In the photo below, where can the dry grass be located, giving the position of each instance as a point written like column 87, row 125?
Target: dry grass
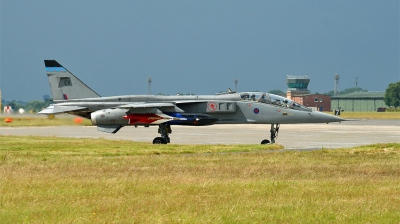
column 370, row 115
column 40, row 120
column 55, row 180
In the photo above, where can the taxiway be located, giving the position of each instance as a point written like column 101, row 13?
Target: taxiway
column 291, row 136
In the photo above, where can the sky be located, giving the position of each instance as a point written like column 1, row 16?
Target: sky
column 198, row 47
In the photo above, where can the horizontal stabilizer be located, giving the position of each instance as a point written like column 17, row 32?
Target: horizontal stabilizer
column 60, row 109
column 109, row 128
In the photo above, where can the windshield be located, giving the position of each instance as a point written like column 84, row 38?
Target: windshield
column 272, row 99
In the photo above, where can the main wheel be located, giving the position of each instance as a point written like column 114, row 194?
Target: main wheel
column 159, row 140
column 265, row 141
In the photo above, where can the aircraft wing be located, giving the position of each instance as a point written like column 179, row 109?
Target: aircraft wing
column 54, row 109
column 192, row 101
column 148, row 107
column 201, row 101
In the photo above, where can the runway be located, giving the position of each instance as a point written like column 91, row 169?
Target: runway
column 291, row 136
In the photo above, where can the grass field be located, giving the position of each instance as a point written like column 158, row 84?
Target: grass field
column 62, row 180
column 41, row 120
column 370, row 115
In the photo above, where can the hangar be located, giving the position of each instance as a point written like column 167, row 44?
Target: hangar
column 358, row 101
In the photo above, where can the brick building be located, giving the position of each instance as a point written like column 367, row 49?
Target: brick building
column 318, row 102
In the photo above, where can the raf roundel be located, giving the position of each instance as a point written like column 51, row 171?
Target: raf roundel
column 256, row 110
column 212, row 106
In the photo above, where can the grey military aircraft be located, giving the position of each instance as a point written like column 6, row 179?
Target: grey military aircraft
column 110, row 114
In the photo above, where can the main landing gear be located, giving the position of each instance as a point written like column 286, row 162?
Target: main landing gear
column 274, row 134
column 164, row 130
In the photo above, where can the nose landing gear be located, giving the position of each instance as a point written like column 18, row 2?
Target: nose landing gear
column 274, row 134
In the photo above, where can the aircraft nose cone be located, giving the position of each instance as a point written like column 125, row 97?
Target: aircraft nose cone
column 323, row 117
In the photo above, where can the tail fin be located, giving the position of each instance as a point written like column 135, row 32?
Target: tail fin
column 64, row 85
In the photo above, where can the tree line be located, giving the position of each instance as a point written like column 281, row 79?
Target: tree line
column 31, row 106
column 330, row 93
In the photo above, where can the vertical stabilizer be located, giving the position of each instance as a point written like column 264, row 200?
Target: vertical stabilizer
column 64, row 85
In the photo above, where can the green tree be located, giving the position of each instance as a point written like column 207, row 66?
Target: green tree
column 330, row 93
column 392, row 95
column 277, row 92
column 187, row 94
column 346, row 91
column 48, row 101
column 352, row 90
column 15, row 105
column 37, row 105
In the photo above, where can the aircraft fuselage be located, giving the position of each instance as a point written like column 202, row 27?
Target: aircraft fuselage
column 227, row 108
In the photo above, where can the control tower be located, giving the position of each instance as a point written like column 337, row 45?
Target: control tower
column 297, row 85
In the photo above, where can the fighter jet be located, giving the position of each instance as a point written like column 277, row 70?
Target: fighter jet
column 110, row 114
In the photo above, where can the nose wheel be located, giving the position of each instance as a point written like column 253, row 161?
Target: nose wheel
column 274, row 134
column 164, row 130
column 159, row 140
column 265, row 141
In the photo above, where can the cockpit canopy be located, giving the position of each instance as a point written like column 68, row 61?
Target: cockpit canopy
column 272, row 99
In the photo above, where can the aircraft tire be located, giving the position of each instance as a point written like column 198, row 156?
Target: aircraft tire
column 265, row 141
column 159, row 140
